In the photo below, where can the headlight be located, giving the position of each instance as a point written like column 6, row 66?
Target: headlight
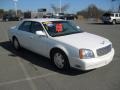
column 86, row 54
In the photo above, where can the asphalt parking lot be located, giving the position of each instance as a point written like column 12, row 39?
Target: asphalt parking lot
column 25, row 70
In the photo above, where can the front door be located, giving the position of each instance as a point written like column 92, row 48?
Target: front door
column 38, row 44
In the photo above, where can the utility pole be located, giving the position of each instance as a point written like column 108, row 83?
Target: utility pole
column 60, row 6
column 15, row 6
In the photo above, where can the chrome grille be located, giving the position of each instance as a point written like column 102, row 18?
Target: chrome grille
column 104, row 50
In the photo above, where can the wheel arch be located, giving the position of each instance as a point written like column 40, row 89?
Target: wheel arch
column 14, row 37
column 67, row 65
column 114, row 19
column 60, row 49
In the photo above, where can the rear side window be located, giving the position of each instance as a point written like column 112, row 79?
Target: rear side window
column 112, row 15
column 116, row 15
column 25, row 26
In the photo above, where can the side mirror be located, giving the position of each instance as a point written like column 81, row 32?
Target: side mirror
column 78, row 27
column 41, row 33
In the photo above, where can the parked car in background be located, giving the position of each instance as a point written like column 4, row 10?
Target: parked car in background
column 70, row 16
column 64, row 43
column 111, row 18
column 60, row 16
column 8, row 17
column 48, row 15
column 65, row 16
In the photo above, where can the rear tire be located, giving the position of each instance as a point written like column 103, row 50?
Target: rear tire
column 16, row 44
column 114, row 22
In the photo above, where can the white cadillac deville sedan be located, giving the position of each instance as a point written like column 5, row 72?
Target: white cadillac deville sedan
column 63, row 43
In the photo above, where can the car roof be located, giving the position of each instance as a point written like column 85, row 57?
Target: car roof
column 112, row 13
column 43, row 19
column 115, row 12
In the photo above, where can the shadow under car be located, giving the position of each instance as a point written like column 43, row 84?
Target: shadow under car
column 38, row 60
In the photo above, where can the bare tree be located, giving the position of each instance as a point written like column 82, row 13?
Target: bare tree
column 11, row 12
column 64, row 7
column 57, row 9
column 1, row 13
column 19, row 13
column 91, row 12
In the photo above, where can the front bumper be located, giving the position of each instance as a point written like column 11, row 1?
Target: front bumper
column 88, row 64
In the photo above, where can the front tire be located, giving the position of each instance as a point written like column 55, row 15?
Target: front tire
column 60, row 60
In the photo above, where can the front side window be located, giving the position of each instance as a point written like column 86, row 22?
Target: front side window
column 25, row 26
column 36, row 26
column 60, row 28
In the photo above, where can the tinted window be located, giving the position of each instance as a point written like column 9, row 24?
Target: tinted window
column 116, row 15
column 25, row 26
column 108, row 15
column 112, row 15
column 36, row 26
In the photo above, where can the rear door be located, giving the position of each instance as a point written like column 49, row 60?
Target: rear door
column 24, row 34
column 117, row 17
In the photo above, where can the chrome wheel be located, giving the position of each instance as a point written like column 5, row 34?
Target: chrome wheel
column 59, row 60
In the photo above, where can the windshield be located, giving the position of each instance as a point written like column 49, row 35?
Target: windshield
column 61, row 28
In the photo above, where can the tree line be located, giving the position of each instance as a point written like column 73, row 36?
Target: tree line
column 91, row 11
column 10, row 12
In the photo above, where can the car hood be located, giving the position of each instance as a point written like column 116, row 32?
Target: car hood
column 84, row 40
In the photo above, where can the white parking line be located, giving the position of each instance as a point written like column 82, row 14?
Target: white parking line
column 27, row 79
column 32, row 85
